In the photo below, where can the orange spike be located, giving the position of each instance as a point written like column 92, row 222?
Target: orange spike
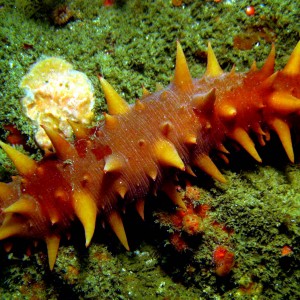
column 283, row 131
column 11, row 229
column 190, row 139
column 293, row 65
column 205, row 102
column 189, row 171
column 24, row 206
column 227, row 112
column 24, row 164
column 86, row 210
column 115, row 103
column 54, row 215
column 257, row 129
column 79, row 130
column 110, row 121
column 52, row 242
column 268, row 82
column 261, row 140
column 145, row 92
column 284, row 103
column 6, row 191
column 113, row 163
column 152, row 173
column 253, row 67
column 182, row 76
column 170, row 190
column 213, row 68
column 166, row 153
column 242, row 137
column 268, row 67
column 117, row 226
column 63, row 148
column 222, row 148
column 232, row 71
column 206, row 164
column 140, row 205
column 121, row 188
column 224, row 157
column 139, row 105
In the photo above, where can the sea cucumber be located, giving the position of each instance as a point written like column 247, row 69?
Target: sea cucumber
column 138, row 148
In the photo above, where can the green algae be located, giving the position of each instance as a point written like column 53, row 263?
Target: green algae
column 133, row 44
column 262, row 207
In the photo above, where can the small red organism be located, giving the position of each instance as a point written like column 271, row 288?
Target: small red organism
column 177, row 2
column 286, row 250
column 189, row 220
column 223, row 259
column 15, row 136
column 27, row 46
column 108, row 2
column 202, row 210
column 192, row 219
column 192, row 193
column 192, row 224
column 178, row 242
column 250, row 10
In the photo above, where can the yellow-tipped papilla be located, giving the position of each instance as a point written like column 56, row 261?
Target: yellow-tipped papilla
column 293, row 65
column 113, row 163
column 170, row 189
column 167, row 155
column 86, row 210
column 11, row 226
column 24, row 164
column 283, row 131
column 116, row 223
column 283, row 102
column 63, row 148
column 182, row 76
column 6, row 191
column 140, row 205
column 213, row 68
column 52, row 242
column 206, row 164
column 268, row 67
column 25, row 206
column 79, row 130
column 115, row 103
column 241, row 136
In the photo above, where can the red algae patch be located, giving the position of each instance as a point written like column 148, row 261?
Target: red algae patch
column 223, row 259
column 55, row 93
column 286, row 250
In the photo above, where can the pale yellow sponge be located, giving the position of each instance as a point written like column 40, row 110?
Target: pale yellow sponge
column 55, row 93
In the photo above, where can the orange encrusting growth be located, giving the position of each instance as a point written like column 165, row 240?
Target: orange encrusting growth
column 137, row 148
column 223, row 260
